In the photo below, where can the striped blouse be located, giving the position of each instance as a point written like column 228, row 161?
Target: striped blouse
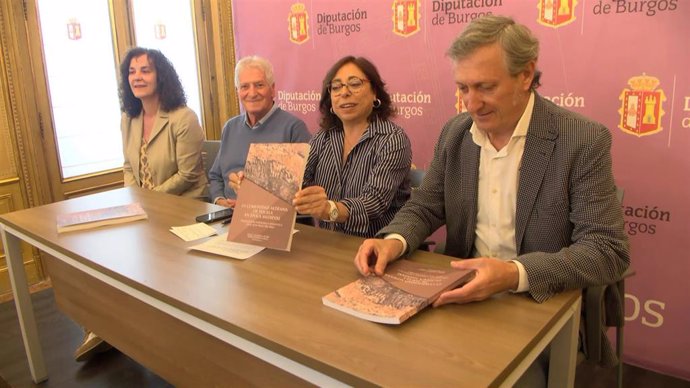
column 373, row 183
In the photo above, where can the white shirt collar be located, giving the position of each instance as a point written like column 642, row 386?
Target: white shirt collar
column 263, row 119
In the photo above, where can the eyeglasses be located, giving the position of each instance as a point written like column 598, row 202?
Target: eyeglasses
column 354, row 85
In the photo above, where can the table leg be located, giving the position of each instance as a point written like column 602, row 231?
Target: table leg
column 563, row 358
column 25, row 310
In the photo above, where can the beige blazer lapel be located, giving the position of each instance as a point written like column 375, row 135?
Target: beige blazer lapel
column 160, row 123
column 136, row 133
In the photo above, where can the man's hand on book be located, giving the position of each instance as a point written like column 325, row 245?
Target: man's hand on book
column 491, row 277
column 374, row 255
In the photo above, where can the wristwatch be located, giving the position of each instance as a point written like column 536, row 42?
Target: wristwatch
column 333, row 212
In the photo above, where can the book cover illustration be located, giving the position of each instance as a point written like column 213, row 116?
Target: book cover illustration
column 405, row 289
column 264, row 215
column 88, row 219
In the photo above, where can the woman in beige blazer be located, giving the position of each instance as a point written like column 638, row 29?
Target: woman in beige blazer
column 161, row 136
column 161, row 140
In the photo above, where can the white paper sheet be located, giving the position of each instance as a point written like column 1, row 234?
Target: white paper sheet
column 193, row 232
column 220, row 246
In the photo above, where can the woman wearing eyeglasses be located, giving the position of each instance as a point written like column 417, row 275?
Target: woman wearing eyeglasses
column 356, row 177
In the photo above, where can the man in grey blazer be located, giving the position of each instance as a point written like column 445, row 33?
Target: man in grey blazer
column 524, row 187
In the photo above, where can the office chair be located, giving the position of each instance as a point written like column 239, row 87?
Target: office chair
column 209, row 150
column 598, row 313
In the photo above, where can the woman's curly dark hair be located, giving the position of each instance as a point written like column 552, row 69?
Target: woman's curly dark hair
column 169, row 87
column 382, row 112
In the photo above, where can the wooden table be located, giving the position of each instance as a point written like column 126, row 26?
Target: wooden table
column 199, row 320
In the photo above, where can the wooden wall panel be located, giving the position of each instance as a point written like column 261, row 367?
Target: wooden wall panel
column 14, row 190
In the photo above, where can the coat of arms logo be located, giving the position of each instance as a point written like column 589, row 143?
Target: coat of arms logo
column 298, row 23
column 641, row 108
column 406, row 17
column 556, row 13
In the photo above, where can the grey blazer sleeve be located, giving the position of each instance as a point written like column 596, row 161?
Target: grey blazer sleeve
column 574, row 236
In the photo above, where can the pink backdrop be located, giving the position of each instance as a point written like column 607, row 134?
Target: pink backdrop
column 592, row 53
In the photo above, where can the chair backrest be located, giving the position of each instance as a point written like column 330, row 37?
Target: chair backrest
column 209, row 151
column 604, row 306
